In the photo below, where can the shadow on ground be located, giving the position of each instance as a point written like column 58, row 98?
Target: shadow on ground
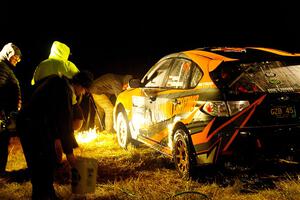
column 252, row 176
column 18, row 176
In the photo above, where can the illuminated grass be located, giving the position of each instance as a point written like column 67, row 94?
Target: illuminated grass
column 142, row 173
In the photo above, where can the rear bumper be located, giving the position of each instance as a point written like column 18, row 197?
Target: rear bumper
column 292, row 126
column 273, row 141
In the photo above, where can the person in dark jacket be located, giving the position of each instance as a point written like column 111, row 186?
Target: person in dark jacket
column 44, row 120
column 10, row 96
column 104, row 90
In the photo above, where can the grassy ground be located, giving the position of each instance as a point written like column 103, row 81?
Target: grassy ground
column 141, row 173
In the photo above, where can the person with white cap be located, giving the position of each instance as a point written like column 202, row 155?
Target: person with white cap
column 10, row 96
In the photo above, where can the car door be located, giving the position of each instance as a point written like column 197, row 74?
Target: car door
column 165, row 96
column 142, row 110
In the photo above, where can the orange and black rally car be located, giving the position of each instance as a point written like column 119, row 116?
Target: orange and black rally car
column 201, row 105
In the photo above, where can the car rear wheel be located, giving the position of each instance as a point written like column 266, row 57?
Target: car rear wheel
column 123, row 132
column 182, row 154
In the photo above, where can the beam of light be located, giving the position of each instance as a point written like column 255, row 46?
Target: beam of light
column 86, row 136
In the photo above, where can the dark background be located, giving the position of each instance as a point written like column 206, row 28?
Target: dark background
column 130, row 38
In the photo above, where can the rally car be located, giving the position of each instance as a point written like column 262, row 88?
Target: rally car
column 203, row 105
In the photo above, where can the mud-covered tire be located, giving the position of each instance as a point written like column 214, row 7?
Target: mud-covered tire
column 182, row 154
column 123, row 132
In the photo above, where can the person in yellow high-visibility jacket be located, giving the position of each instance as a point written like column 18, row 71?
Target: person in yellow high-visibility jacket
column 57, row 63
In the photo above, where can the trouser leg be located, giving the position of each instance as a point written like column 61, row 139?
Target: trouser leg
column 42, row 179
column 108, row 108
column 4, row 143
column 104, row 102
column 42, row 184
column 99, row 119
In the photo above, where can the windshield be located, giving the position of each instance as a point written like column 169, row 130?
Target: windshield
column 267, row 76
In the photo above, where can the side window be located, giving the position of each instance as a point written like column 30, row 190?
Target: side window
column 196, row 76
column 179, row 74
column 156, row 77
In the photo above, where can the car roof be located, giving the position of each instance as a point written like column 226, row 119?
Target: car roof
column 229, row 54
column 233, row 53
column 242, row 53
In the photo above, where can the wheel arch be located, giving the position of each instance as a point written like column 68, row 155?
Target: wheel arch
column 182, row 126
column 118, row 108
column 184, row 132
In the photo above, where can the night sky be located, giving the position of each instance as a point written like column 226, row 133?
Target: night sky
column 129, row 39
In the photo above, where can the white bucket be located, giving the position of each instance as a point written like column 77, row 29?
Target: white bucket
column 84, row 181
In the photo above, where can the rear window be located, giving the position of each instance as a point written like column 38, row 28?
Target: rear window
column 268, row 76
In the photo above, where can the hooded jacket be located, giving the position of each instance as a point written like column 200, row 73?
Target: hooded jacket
column 10, row 93
column 57, row 63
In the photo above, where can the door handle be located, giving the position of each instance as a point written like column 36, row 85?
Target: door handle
column 152, row 98
column 176, row 102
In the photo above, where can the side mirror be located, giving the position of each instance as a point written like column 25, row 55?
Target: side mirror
column 134, row 83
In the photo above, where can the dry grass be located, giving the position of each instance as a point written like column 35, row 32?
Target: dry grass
column 141, row 173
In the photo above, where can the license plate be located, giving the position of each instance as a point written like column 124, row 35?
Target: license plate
column 281, row 111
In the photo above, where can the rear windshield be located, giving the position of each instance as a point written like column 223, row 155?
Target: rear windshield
column 265, row 76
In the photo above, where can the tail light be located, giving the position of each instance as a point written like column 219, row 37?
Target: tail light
column 235, row 107
column 216, row 108
column 224, row 109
